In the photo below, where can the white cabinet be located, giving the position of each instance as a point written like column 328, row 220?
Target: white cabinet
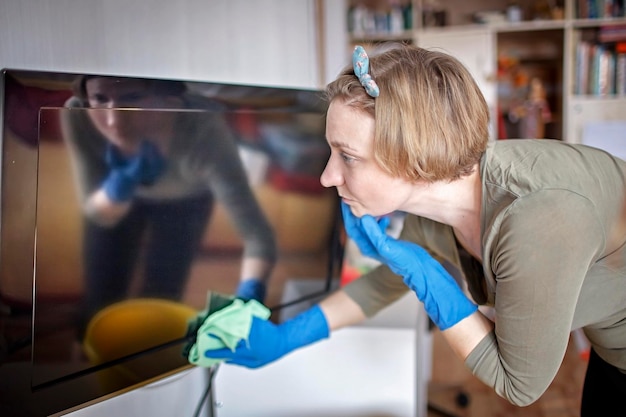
column 358, row 371
column 175, row 395
column 587, row 111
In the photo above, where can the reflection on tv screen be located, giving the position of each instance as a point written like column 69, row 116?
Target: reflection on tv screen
column 135, row 200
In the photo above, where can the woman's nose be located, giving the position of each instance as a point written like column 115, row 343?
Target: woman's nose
column 112, row 115
column 331, row 176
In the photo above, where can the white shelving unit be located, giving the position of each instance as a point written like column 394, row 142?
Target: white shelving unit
column 547, row 43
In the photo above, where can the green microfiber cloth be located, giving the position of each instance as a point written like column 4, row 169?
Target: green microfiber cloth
column 215, row 302
column 224, row 323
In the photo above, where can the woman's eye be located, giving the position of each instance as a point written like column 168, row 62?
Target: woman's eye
column 98, row 99
column 347, row 158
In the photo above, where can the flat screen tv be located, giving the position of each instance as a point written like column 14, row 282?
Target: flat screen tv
column 231, row 173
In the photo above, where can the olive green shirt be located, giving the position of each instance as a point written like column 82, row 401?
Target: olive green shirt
column 553, row 230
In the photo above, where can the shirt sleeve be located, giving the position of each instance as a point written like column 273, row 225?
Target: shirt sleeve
column 375, row 290
column 546, row 243
column 218, row 164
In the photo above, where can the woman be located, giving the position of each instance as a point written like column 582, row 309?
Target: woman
column 153, row 175
column 537, row 229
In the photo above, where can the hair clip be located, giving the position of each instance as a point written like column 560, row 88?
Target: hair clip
column 361, row 64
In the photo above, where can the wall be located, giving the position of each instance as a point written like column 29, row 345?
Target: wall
column 334, row 39
column 268, row 42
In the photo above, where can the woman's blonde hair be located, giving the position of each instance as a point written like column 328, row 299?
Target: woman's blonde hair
column 431, row 120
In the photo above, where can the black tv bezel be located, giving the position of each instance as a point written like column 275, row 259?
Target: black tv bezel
column 51, row 396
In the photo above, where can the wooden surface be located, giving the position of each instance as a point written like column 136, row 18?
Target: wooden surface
column 449, row 377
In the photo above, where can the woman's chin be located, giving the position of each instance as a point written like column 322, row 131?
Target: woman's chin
column 360, row 211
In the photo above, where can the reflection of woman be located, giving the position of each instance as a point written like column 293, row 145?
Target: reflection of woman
column 156, row 173
column 537, row 229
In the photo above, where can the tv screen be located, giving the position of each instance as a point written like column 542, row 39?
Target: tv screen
column 96, row 292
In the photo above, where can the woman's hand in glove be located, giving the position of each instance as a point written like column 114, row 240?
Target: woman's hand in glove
column 354, row 228
column 268, row 341
column 251, row 289
column 443, row 300
column 127, row 172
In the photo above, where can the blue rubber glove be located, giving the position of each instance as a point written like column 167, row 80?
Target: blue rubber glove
column 268, row 341
column 127, row 172
column 251, row 289
column 353, row 227
column 443, row 300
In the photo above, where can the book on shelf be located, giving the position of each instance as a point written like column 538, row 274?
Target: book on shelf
column 602, row 82
column 599, row 9
column 600, row 69
column 612, row 33
column 583, row 50
column 620, row 74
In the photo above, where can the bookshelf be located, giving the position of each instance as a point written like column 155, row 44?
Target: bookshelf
column 597, row 53
column 505, row 49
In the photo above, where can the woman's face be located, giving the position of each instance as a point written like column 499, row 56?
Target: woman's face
column 360, row 182
column 124, row 128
